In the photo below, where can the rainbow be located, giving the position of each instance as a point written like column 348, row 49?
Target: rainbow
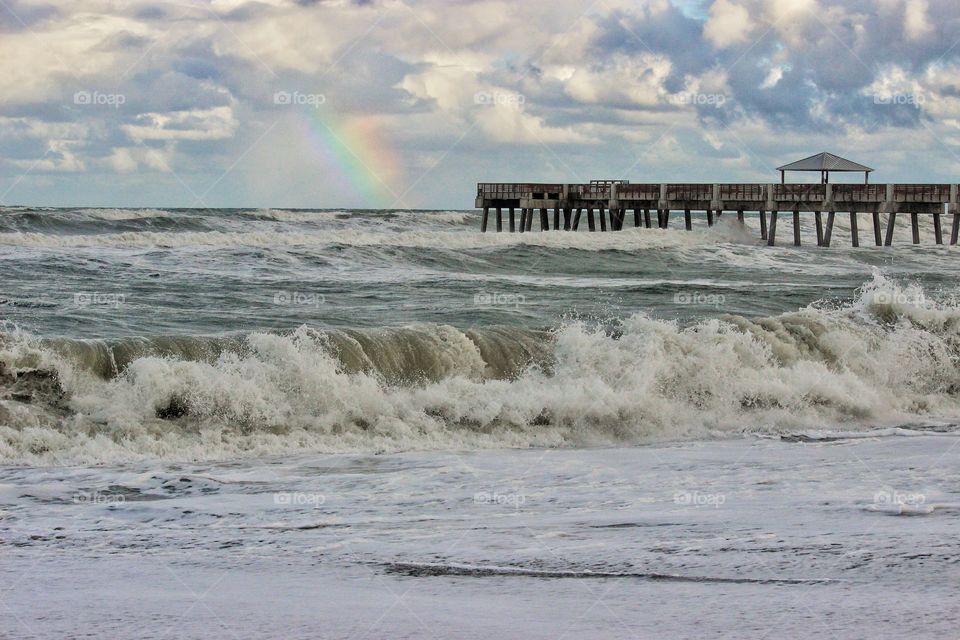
column 356, row 156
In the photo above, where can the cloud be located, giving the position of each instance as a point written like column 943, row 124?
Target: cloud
column 197, row 124
column 729, row 24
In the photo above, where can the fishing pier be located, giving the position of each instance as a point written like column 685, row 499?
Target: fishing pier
column 609, row 202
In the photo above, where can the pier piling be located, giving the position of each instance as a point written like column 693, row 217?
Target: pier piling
column 687, row 221
column 483, row 223
column 763, row 224
column 636, row 218
column 576, row 218
column 796, row 227
column 499, row 219
column 876, row 229
column 666, row 218
column 915, row 227
column 937, row 229
column 646, row 218
column 955, row 228
column 818, row 219
column 603, row 219
column 512, row 221
column 854, row 231
column 591, row 223
column 891, row 223
column 709, row 217
column 772, row 233
column 828, row 232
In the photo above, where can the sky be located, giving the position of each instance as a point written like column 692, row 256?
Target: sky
column 408, row 104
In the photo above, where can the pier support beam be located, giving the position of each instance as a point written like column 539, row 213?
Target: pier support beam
column 646, row 218
column 499, row 219
column 576, row 218
column 763, row 225
column 828, row 232
column 772, row 235
column 591, row 223
column 876, row 229
column 818, row 219
column 523, row 219
column 915, row 227
column 891, row 222
column 636, row 217
column 603, row 219
column 955, row 229
column 512, row 221
column 556, row 218
column 687, row 221
column 666, row 218
column 567, row 213
column 544, row 219
column 854, row 232
column 937, row 229
column 529, row 219
column 796, row 227
column 483, row 223
column 709, row 217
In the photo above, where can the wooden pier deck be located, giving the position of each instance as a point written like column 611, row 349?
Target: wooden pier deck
column 611, row 200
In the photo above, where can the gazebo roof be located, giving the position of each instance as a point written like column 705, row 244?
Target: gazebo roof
column 824, row 162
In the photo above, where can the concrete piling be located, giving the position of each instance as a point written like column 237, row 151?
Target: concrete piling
column 854, row 232
column 891, row 223
column 796, row 228
column 828, row 232
column 772, row 233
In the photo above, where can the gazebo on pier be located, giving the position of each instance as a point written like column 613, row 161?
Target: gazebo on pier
column 825, row 163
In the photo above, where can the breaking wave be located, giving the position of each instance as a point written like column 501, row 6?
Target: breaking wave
column 888, row 358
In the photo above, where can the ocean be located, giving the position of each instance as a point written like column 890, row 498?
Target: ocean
column 382, row 424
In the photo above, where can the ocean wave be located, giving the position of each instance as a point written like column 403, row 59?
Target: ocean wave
column 633, row 239
column 888, row 358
